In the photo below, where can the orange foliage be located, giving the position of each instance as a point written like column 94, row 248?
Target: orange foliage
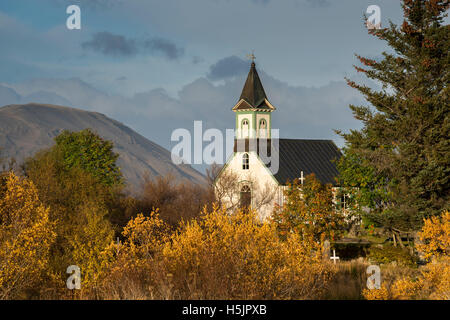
column 436, row 236
column 26, row 235
column 215, row 257
column 431, row 281
column 376, row 294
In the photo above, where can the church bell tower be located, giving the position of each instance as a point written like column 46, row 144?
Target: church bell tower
column 253, row 110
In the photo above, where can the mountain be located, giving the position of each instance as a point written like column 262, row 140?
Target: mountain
column 28, row 128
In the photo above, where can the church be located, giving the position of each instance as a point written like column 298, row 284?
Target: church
column 257, row 172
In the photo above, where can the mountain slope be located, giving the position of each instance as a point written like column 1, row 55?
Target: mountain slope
column 26, row 129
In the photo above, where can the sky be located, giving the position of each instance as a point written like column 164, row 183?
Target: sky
column 161, row 65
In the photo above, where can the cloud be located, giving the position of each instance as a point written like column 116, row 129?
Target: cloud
column 164, row 46
column 302, row 112
column 111, row 44
column 197, row 60
column 227, row 68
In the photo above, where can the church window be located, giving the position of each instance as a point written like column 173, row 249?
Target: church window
column 344, row 201
column 245, row 162
column 245, row 128
column 262, row 128
column 245, row 197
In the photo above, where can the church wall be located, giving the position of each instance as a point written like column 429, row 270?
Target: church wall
column 260, row 180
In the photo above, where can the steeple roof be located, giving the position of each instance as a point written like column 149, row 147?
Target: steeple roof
column 253, row 92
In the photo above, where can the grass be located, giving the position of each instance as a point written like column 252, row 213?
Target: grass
column 349, row 281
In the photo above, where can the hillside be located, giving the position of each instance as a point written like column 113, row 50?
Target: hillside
column 26, row 129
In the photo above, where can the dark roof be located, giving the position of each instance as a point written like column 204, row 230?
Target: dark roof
column 296, row 155
column 253, row 92
column 309, row 156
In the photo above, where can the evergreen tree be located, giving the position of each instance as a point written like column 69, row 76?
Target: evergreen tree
column 399, row 160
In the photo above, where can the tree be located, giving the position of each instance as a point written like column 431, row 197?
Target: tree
column 176, row 201
column 26, row 235
column 436, row 236
column 89, row 151
column 401, row 155
column 309, row 211
column 80, row 204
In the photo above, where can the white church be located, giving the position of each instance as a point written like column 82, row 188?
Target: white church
column 257, row 172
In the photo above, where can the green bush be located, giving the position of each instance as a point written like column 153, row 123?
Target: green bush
column 388, row 254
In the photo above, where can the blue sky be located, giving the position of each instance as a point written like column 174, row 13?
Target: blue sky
column 160, row 65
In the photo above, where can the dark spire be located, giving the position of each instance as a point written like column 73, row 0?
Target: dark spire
column 253, row 91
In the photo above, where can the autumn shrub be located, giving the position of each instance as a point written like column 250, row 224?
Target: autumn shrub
column 428, row 282
column 431, row 281
column 217, row 256
column 79, row 206
column 309, row 211
column 377, row 294
column 234, row 256
column 26, row 235
column 435, row 236
column 132, row 268
column 390, row 273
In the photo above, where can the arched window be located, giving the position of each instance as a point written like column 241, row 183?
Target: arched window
column 246, row 197
column 245, row 162
column 245, row 128
column 262, row 128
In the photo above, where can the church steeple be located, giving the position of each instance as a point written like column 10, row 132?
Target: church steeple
column 253, row 95
column 253, row 91
column 253, row 110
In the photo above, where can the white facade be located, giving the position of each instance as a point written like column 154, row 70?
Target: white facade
column 265, row 190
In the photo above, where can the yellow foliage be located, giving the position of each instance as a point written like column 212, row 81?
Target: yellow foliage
column 217, row 256
column 236, row 257
column 436, row 236
column 437, row 279
column 376, row 294
column 431, row 281
column 407, row 289
column 91, row 234
column 132, row 267
column 145, row 235
column 26, row 235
